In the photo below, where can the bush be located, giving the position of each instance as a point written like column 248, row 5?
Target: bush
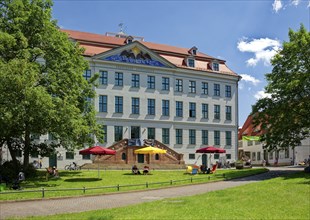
column 9, row 171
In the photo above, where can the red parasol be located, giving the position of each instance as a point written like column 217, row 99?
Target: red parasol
column 210, row 149
column 97, row 150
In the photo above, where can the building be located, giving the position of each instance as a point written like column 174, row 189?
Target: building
column 254, row 150
column 181, row 97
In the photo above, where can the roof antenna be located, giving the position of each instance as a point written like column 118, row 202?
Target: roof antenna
column 122, row 27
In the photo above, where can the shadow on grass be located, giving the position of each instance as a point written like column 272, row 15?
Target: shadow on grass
column 83, row 180
column 141, row 174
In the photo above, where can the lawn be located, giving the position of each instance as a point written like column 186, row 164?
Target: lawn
column 279, row 198
column 77, row 183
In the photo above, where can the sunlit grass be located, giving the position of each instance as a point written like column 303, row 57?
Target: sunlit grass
column 279, row 198
column 79, row 183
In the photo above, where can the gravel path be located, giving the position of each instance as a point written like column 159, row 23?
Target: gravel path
column 87, row 203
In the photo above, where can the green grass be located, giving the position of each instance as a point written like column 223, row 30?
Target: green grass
column 76, row 180
column 279, row 198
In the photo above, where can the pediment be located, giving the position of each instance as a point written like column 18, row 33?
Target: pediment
column 135, row 53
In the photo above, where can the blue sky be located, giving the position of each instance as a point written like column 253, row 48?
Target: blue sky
column 245, row 33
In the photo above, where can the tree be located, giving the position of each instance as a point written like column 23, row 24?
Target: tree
column 42, row 89
column 285, row 115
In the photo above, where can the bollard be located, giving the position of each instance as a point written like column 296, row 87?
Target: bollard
column 191, row 179
column 117, row 187
column 147, row 185
column 224, row 175
column 209, row 177
column 42, row 192
column 84, row 189
column 170, row 182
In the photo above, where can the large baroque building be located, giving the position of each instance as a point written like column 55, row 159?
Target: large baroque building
column 180, row 97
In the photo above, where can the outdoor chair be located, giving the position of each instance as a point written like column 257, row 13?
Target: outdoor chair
column 213, row 168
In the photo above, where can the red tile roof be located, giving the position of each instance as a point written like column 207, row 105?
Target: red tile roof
column 249, row 129
column 97, row 43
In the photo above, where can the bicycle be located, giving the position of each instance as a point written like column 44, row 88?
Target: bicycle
column 72, row 166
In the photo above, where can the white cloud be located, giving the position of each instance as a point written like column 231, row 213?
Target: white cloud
column 263, row 48
column 262, row 94
column 308, row 4
column 295, row 2
column 277, row 5
column 251, row 79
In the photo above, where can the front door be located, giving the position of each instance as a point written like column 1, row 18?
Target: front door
column 140, row 158
column 52, row 160
column 135, row 132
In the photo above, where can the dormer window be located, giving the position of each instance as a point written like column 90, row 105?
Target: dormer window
column 215, row 66
column 191, row 62
column 129, row 39
column 193, row 51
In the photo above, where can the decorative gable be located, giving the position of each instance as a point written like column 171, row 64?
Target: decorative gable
column 134, row 53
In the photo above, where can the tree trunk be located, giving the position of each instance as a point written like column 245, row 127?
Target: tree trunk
column 27, row 147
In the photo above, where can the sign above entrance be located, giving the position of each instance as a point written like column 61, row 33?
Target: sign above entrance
column 135, row 56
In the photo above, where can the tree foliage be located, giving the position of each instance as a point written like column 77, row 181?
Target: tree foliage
column 42, row 89
column 285, row 116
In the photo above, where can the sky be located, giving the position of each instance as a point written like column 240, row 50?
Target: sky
column 245, row 33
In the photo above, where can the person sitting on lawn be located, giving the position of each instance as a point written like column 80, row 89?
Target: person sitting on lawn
column 203, row 168
column 146, row 170
column 135, row 170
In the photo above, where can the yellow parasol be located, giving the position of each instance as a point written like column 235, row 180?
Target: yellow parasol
column 150, row 150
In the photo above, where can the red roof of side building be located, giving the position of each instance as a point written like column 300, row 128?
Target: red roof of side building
column 249, row 129
column 96, row 43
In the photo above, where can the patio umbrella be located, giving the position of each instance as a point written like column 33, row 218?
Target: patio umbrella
column 150, row 150
column 210, row 150
column 97, row 150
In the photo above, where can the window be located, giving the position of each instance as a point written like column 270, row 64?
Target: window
column 150, row 133
column 179, row 136
column 217, row 90
column 205, row 137
column 250, row 143
column 118, row 104
column 191, row 156
column 156, row 156
column 204, row 88
column 105, row 133
column 119, row 79
column 228, row 156
column 151, row 82
column 86, row 157
column 179, row 85
column 216, row 156
column 217, row 110
column 179, row 109
column 87, row 74
column 286, row 153
column 35, row 136
column 228, row 112
column 34, row 154
column 118, row 133
column 69, row 155
column 228, row 138
column 103, row 77
column 151, row 106
column 135, row 80
column 124, row 157
column 215, row 67
column 205, row 110
column 103, row 103
column 228, row 91
column 135, row 105
column 165, row 136
column 192, row 110
column 192, row 136
column 191, row 62
column 192, row 86
column 258, row 156
column 253, row 156
column 18, row 153
column 165, row 83
column 217, row 138
column 165, row 108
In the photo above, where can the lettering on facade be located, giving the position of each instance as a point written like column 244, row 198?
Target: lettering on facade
column 134, row 56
